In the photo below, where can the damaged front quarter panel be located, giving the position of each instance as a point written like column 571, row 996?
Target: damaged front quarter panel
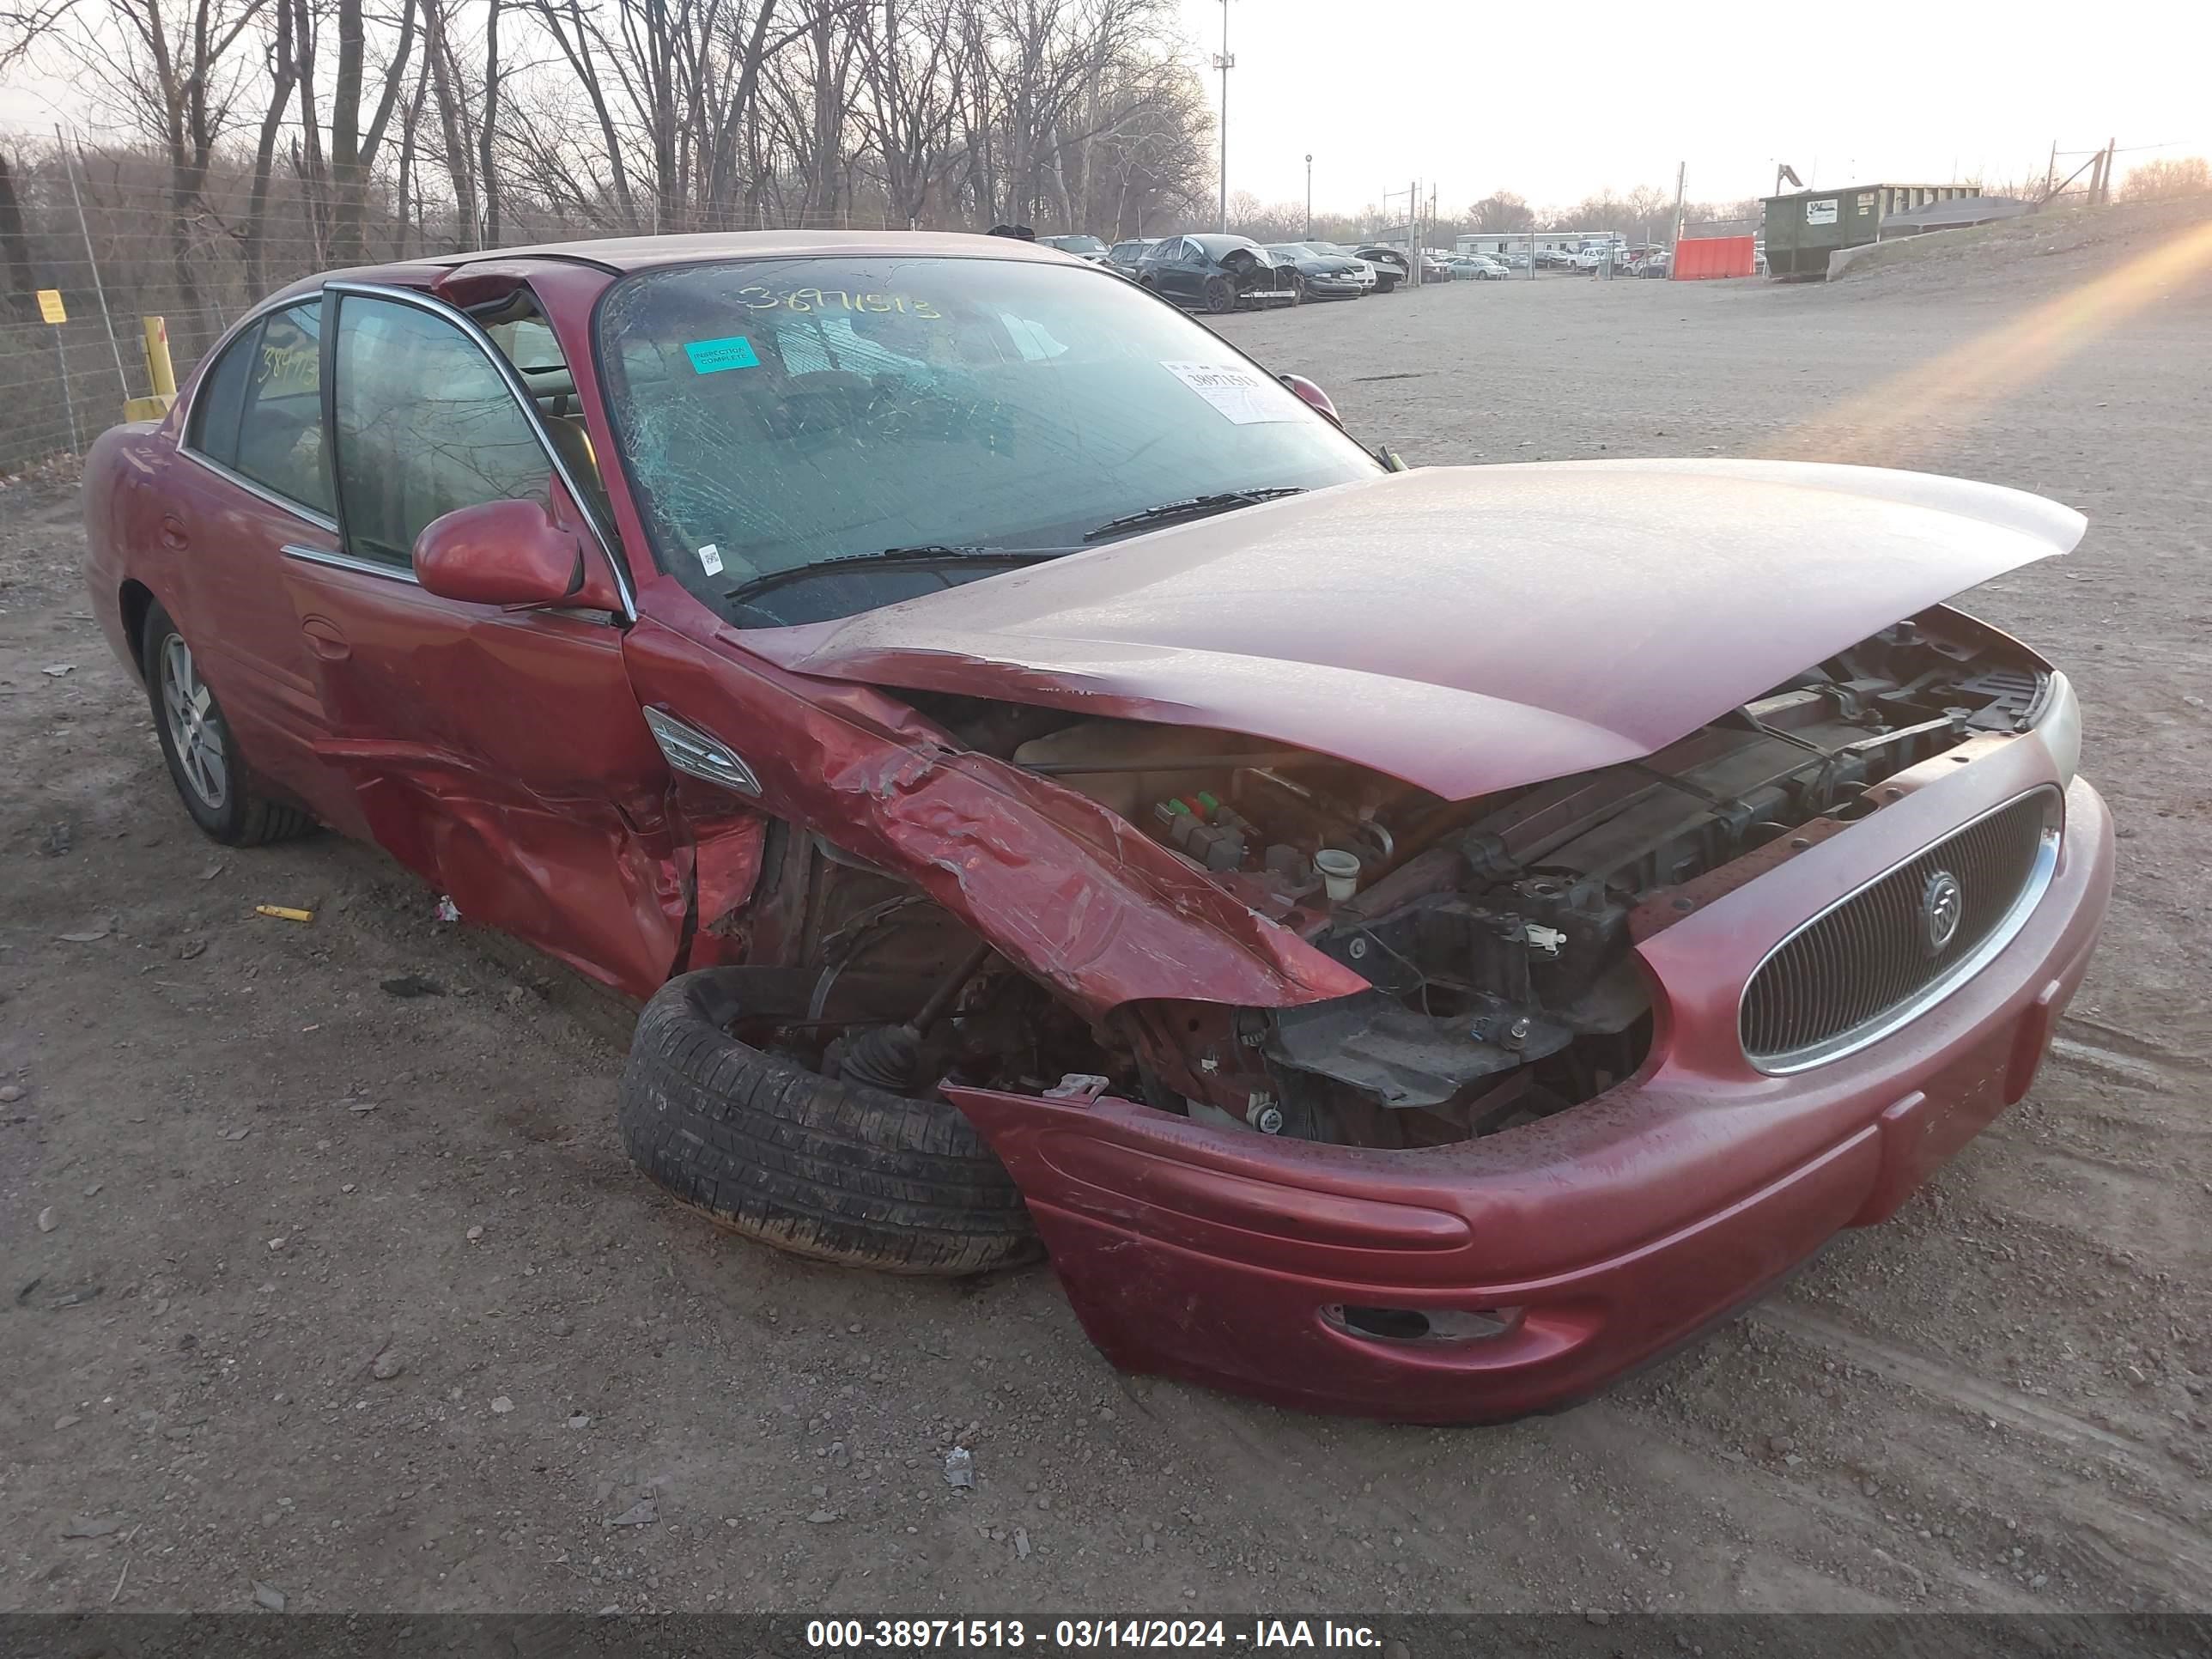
column 1065, row 890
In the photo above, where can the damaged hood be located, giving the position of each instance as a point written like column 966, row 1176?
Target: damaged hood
column 1464, row 629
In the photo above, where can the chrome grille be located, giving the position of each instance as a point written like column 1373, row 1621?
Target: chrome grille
column 1870, row 961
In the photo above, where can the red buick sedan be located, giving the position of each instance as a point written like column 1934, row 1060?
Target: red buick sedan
column 1413, row 943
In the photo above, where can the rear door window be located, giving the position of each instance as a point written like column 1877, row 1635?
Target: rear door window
column 214, row 430
column 280, row 428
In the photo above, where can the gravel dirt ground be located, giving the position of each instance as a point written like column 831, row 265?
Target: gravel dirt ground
column 317, row 1292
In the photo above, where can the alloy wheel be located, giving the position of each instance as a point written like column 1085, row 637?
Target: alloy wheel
column 189, row 708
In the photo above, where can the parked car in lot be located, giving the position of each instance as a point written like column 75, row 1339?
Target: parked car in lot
column 1053, row 791
column 1121, row 258
column 1657, row 262
column 1390, row 264
column 1477, row 267
column 1217, row 273
column 1083, row 247
column 1368, row 279
column 1319, row 276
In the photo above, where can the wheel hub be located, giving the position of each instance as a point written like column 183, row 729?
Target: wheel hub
column 187, row 705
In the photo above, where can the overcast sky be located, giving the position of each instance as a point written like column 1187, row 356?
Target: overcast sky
column 1555, row 99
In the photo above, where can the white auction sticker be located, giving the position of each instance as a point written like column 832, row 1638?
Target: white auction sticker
column 710, row 559
column 1242, row 395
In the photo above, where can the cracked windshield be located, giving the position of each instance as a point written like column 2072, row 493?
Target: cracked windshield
column 811, row 439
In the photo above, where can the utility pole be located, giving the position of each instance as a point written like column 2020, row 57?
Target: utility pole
column 2111, row 155
column 2051, row 171
column 1309, row 196
column 1224, row 63
column 1681, row 181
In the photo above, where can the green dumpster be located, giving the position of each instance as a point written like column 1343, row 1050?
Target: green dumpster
column 1804, row 227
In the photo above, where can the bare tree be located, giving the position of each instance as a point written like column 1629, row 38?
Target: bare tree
column 576, row 34
column 487, row 150
column 911, row 66
column 26, row 24
column 1501, row 210
column 282, row 136
column 15, row 245
column 353, row 147
column 172, row 64
column 290, row 17
column 2168, row 177
column 444, row 71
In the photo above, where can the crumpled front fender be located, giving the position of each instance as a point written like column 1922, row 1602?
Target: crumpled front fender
column 1065, row 890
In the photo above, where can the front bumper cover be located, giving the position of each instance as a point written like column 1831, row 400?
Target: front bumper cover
column 1615, row 1231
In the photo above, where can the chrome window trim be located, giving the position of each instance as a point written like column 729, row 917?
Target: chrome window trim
column 191, row 401
column 300, row 510
column 1892, row 1020
column 519, row 388
column 342, row 561
column 231, row 337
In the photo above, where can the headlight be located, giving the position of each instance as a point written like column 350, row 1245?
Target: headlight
column 2059, row 725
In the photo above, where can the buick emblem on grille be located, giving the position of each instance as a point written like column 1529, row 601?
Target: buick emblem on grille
column 1942, row 904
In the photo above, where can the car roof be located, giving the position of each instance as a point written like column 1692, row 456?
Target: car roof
column 623, row 254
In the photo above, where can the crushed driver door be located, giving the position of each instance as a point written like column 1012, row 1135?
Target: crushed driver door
column 500, row 755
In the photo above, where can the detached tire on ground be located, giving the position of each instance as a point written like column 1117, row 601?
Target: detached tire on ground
column 831, row 1170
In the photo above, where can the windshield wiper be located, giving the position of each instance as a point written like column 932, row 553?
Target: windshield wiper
column 1196, row 506
column 924, row 553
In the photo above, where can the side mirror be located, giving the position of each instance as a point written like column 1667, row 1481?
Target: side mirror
column 1313, row 395
column 503, row 553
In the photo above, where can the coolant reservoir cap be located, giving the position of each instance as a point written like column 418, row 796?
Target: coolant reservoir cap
column 1339, row 873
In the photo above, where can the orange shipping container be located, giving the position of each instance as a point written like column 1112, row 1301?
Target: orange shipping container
column 1711, row 256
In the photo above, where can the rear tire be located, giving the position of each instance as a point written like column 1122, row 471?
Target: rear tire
column 822, row 1168
column 211, row 776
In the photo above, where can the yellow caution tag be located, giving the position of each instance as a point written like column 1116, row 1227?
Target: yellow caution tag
column 50, row 305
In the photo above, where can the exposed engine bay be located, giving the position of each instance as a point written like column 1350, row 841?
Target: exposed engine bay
column 1495, row 933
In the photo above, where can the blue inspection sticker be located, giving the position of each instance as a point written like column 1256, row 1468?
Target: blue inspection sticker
column 711, row 356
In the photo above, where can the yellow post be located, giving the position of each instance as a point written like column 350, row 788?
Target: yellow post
column 161, row 374
column 159, row 369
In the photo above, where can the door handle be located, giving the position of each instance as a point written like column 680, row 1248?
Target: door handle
column 326, row 639
column 172, row 531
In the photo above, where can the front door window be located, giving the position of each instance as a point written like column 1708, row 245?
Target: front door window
column 425, row 425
